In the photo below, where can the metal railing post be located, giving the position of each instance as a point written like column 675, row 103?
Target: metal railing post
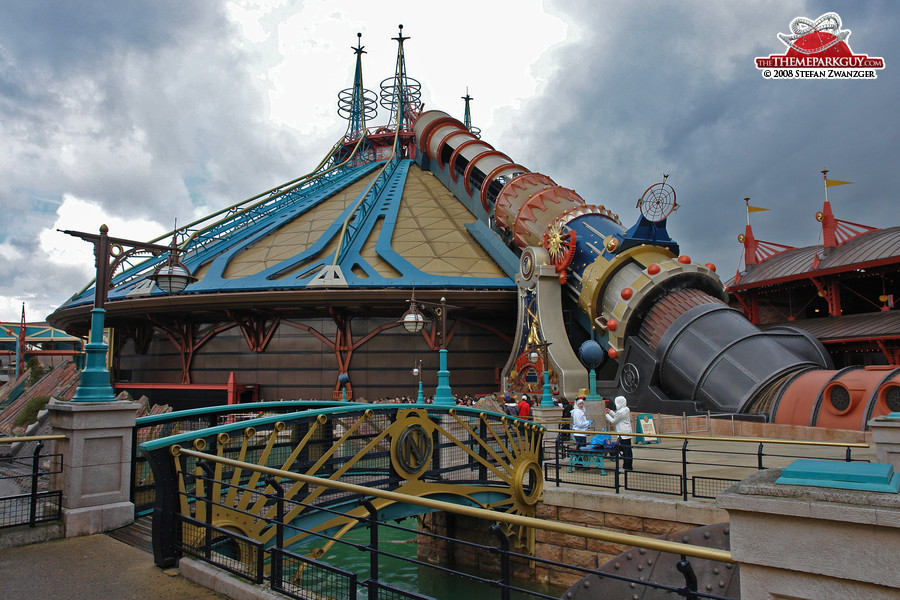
column 373, row 550
column 482, row 451
column 759, row 457
column 684, row 471
column 689, row 590
column 277, row 557
column 559, row 447
column 505, row 570
column 207, row 493
column 617, row 474
column 35, row 473
column 132, row 488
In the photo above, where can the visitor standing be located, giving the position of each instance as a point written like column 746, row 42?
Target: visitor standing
column 525, row 407
column 621, row 420
column 580, row 422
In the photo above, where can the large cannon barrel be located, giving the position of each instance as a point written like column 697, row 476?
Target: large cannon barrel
column 658, row 312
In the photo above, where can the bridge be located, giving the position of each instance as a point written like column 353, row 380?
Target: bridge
column 464, row 456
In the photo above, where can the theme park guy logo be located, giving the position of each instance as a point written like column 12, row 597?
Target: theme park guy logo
column 818, row 49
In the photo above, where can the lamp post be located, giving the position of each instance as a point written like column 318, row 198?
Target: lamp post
column 171, row 277
column 533, row 357
column 417, row 372
column 343, row 381
column 413, row 321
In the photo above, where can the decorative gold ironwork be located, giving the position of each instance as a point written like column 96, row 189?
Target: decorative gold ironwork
column 503, row 448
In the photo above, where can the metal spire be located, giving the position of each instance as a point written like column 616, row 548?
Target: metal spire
column 357, row 103
column 401, row 94
column 467, row 120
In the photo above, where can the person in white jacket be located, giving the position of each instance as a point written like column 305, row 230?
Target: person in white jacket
column 621, row 420
column 580, row 422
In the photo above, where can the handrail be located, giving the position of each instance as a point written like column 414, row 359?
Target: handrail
column 718, row 438
column 31, row 438
column 344, row 407
column 470, row 511
column 264, row 406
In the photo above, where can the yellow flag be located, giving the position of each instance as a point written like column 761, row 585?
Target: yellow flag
column 831, row 182
column 756, row 208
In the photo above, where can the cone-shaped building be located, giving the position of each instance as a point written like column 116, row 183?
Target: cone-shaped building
column 419, row 241
column 309, row 280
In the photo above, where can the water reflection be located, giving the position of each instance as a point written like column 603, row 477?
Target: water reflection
column 408, row 575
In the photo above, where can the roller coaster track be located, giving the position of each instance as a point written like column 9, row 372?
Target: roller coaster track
column 205, row 236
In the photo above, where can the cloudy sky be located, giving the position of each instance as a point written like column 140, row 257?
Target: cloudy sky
column 135, row 114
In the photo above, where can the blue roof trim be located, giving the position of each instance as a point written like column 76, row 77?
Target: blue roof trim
column 216, row 246
column 493, row 245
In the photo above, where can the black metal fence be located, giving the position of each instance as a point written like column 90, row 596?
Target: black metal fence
column 686, row 466
column 25, row 494
column 297, row 576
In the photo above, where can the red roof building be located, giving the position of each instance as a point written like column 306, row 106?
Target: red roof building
column 844, row 293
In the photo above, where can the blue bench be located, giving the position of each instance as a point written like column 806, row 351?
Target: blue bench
column 584, row 456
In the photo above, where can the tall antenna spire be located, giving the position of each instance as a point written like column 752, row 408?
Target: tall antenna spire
column 467, row 120
column 401, row 95
column 357, row 104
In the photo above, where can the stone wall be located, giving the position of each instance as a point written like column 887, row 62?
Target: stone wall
column 644, row 515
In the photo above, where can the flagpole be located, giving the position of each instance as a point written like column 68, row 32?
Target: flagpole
column 825, row 180
column 747, row 202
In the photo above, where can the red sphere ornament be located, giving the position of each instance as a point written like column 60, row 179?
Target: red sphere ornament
column 612, row 353
column 627, row 293
column 711, row 267
column 612, row 324
column 820, row 43
column 653, row 269
column 684, row 259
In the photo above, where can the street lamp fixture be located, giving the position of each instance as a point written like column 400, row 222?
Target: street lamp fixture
column 172, row 276
column 417, row 372
column 413, row 321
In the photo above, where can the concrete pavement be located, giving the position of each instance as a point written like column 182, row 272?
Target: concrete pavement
column 94, row 567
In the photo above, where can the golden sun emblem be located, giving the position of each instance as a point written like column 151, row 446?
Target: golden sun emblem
column 555, row 242
column 560, row 245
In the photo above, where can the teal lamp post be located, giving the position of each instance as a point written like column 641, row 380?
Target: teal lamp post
column 417, row 372
column 344, row 381
column 540, row 353
column 171, row 277
column 413, row 321
column 592, row 355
